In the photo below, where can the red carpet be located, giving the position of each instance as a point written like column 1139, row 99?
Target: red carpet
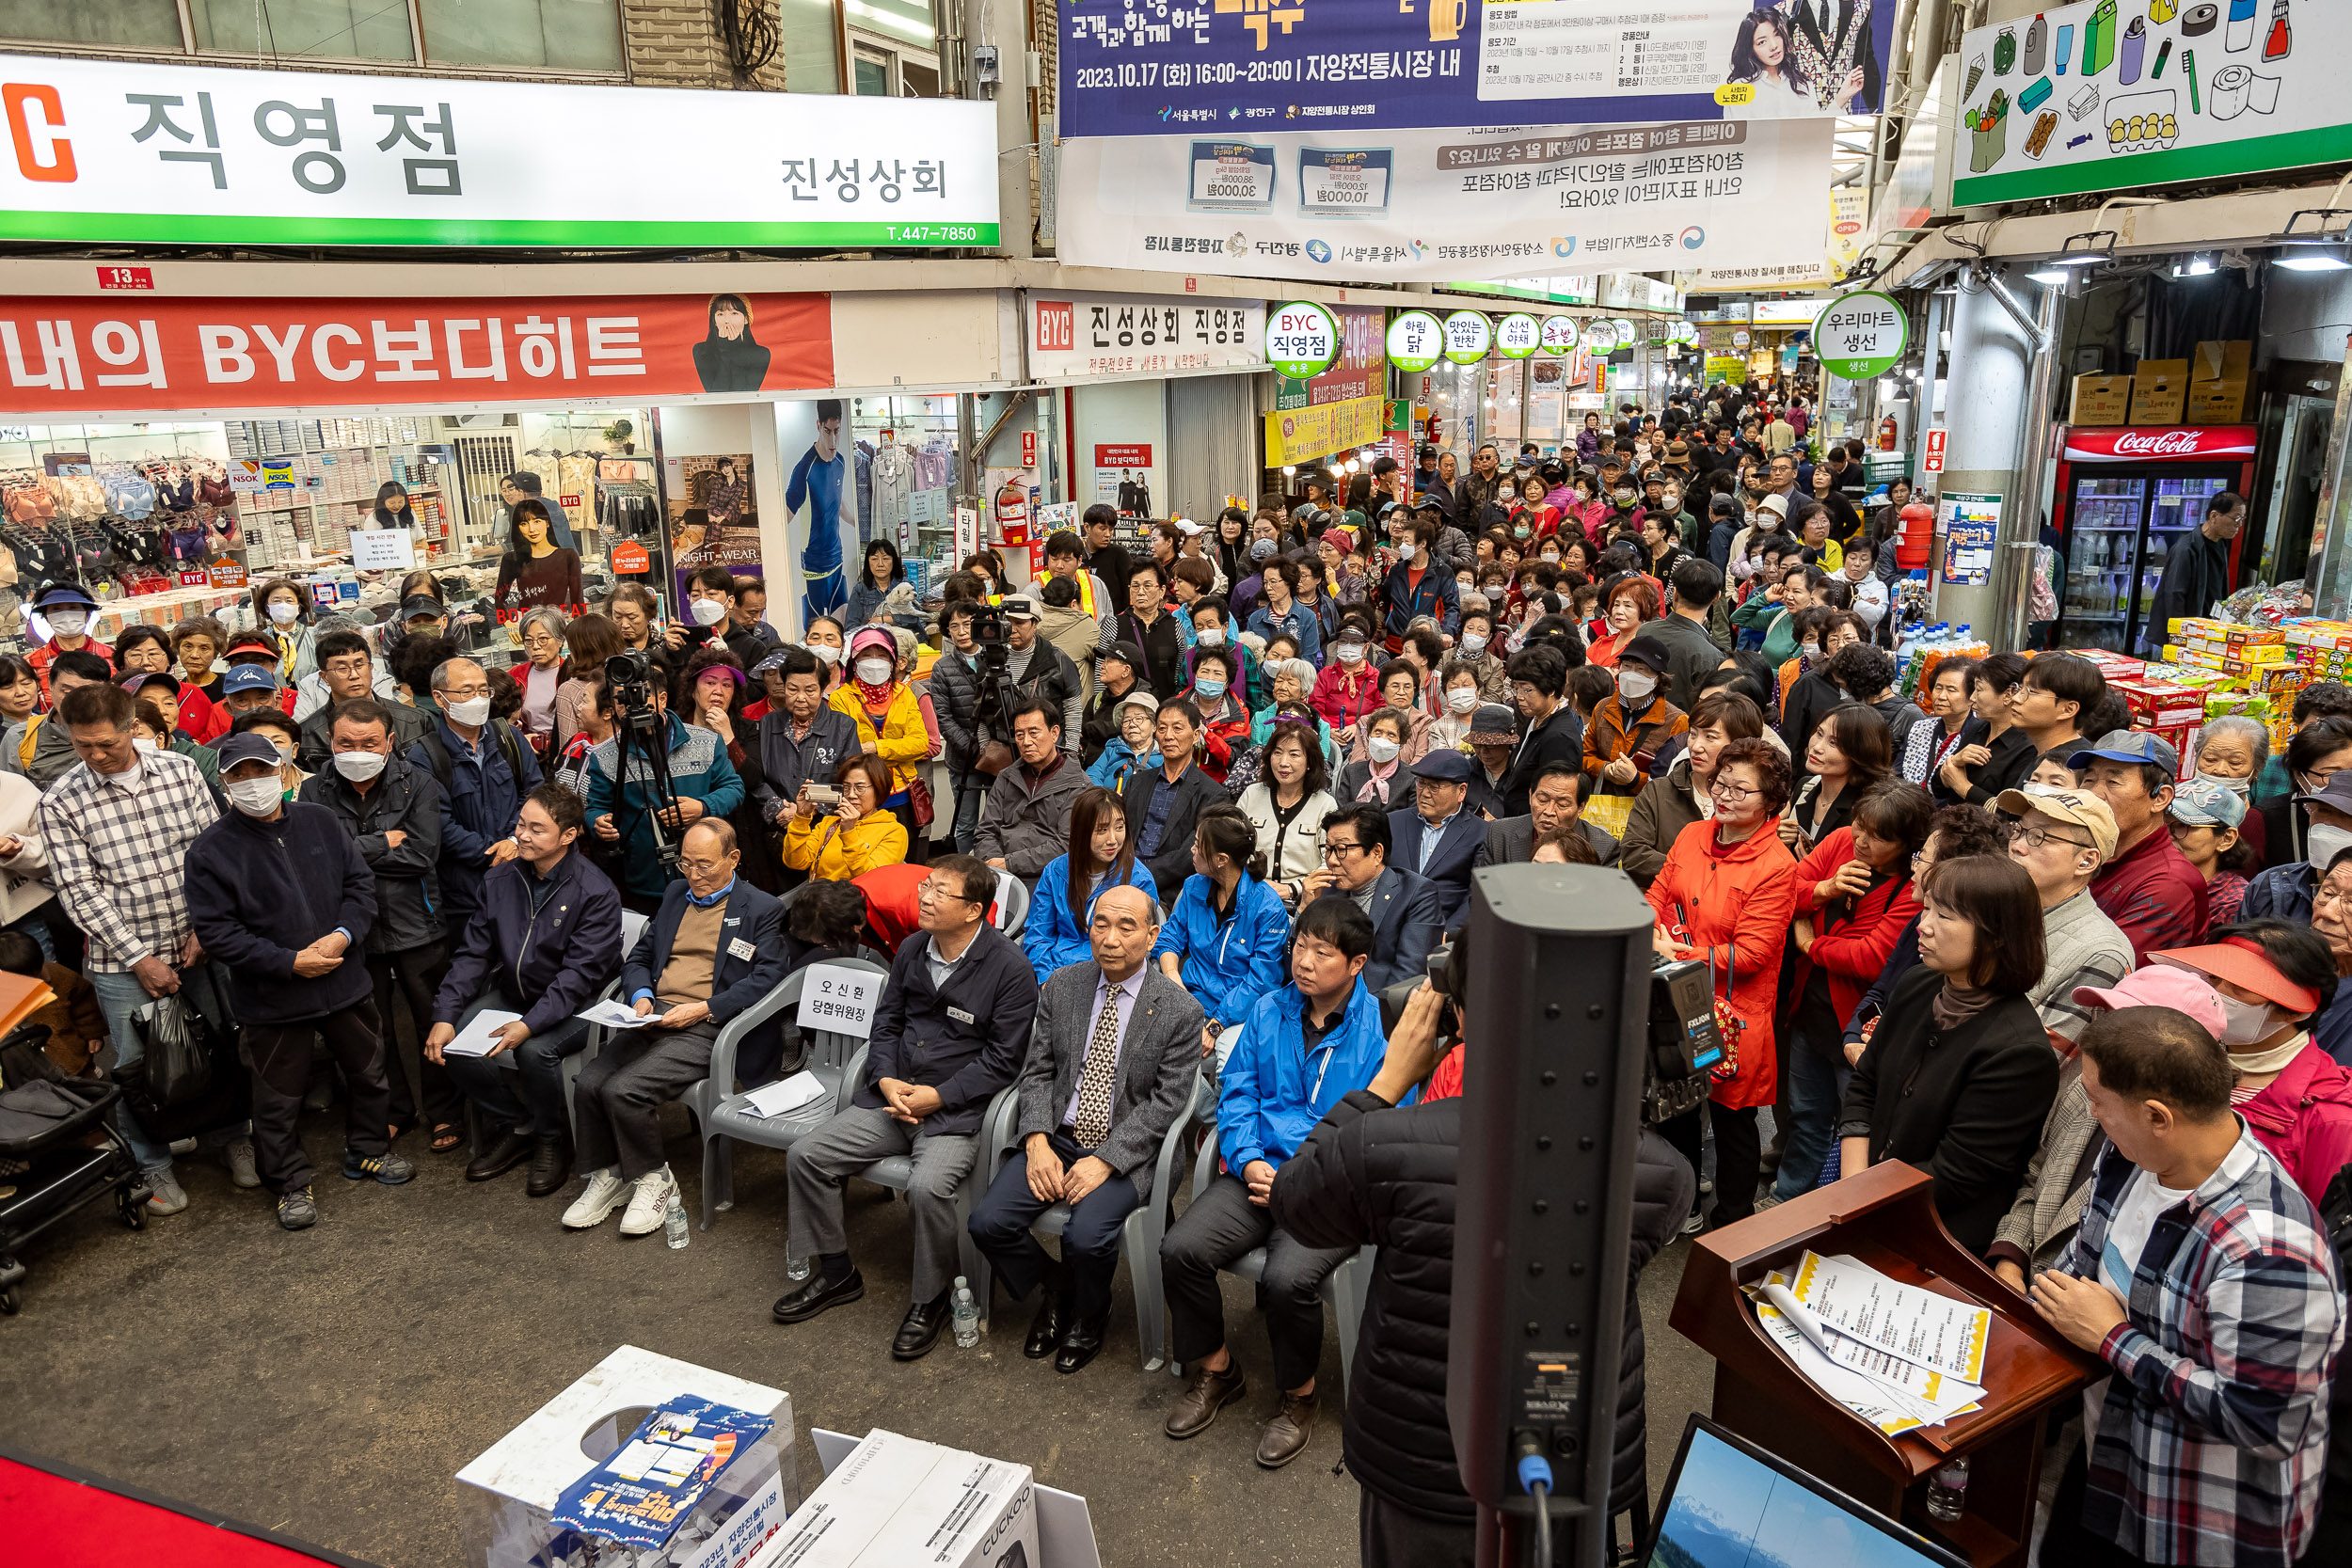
column 57, row 1517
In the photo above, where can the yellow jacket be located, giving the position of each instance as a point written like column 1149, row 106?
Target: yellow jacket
column 833, row 852
column 904, row 743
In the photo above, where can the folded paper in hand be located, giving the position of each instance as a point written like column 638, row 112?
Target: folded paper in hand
column 477, row 1038
column 615, row 1014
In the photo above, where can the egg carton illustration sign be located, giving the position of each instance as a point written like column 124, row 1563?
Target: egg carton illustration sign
column 2109, row 95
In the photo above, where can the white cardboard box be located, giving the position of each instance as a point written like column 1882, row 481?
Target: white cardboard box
column 836, row 1522
column 968, row 1513
column 509, row 1492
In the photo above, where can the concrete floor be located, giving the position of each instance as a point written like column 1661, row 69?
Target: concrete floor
column 330, row 1384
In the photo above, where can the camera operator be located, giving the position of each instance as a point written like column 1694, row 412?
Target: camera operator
column 1373, row 1175
column 677, row 775
column 1036, row 671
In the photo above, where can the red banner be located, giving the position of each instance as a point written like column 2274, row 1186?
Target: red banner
column 75, row 356
column 2195, row 443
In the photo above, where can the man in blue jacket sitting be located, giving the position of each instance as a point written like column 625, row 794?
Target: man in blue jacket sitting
column 548, row 939
column 1303, row 1048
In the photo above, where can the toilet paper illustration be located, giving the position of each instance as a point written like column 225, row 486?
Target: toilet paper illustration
column 2236, row 88
column 2143, row 122
column 2083, row 104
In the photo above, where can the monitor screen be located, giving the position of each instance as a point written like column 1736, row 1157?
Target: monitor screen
column 1729, row 1504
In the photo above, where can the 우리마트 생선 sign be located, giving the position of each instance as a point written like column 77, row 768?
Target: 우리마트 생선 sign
column 1861, row 335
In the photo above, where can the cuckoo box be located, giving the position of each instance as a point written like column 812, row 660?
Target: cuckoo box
column 2101, row 400
column 899, row 1502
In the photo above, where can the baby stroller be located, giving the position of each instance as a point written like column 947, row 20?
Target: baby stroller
column 46, row 1153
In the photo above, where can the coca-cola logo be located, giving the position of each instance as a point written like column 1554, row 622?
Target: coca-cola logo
column 2161, row 445
column 2167, row 443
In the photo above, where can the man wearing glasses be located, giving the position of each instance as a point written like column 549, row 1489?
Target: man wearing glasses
column 346, row 673
column 951, row 1030
column 2064, row 838
column 1403, row 906
column 485, row 769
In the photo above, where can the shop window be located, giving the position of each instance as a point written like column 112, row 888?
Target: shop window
column 302, row 30
column 557, row 35
column 118, row 24
column 881, row 67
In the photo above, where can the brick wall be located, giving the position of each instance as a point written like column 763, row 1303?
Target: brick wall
column 671, row 44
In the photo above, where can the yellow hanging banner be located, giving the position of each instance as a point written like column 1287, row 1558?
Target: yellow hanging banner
column 1302, row 435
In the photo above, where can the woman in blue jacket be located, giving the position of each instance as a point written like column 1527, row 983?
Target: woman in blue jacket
column 1101, row 856
column 1224, row 939
column 1421, row 583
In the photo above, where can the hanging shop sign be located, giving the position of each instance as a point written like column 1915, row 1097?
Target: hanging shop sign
column 1860, row 335
column 1600, row 337
column 110, row 152
column 1302, row 340
column 1467, row 337
column 1356, row 373
column 1517, row 335
column 1415, row 341
column 1462, row 204
column 100, row 355
column 1559, row 334
column 1078, row 335
column 1129, row 72
column 1303, row 434
column 2066, row 102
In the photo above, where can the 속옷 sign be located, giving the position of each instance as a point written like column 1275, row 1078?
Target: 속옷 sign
column 1302, row 340
column 113, row 152
column 1415, row 341
column 1861, row 335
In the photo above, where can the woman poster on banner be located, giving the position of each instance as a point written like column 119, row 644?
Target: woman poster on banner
column 714, row 520
column 729, row 359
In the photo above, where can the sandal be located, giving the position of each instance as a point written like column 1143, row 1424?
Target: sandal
column 446, row 1137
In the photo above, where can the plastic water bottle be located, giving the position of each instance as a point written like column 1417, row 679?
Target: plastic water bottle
column 966, row 1316
column 1948, row 1491
column 673, row 1223
column 797, row 1269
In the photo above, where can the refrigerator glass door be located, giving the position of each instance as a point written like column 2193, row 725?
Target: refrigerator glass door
column 2176, row 511
column 2102, row 557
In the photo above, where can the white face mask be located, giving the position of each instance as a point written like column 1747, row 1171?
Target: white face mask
column 1636, row 686
column 1462, row 699
column 2323, row 842
column 473, row 711
column 708, row 612
column 1473, row 645
column 2243, row 1022
column 69, row 623
column 1212, row 637
column 1405, row 549
column 144, row 746
column 874, row 671
column 826, row 652
column 2235, row 787
column 256, row 797
column 1351, row 652
column 359, row 766
column 1382, row 749
column 284, row 614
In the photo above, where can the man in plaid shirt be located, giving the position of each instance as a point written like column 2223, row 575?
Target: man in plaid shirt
column 2209, row 1444
column 117, row 829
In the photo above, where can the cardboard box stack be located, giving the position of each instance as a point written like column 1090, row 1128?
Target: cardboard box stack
column 2218, row 374
column 2159, row 391
column 897, row 1501
column 2101, row 400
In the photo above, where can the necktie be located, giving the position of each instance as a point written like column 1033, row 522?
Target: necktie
column 1095, row 1077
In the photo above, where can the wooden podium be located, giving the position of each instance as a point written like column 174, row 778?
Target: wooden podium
column 1886, row 1217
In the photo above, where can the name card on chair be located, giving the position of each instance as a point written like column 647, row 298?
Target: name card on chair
column 840, row 1001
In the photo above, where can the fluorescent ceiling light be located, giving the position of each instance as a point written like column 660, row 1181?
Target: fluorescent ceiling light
column 2051, row 276
column 2076, row 259
column 2315, row 261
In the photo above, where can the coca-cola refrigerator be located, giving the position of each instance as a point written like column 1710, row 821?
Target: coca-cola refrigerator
column 2128, row 496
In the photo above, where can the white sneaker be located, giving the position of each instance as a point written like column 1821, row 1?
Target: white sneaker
column 647, row 1205
column 605, row 1188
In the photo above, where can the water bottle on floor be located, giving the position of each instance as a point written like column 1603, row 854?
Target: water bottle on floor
column 1948, row 1491
column 797, row 1269
column 673, row 1222
column 966, row 1316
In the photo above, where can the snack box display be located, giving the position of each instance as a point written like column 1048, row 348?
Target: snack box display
column 2187, row 626
column 2157, row 704
column 2116, row 666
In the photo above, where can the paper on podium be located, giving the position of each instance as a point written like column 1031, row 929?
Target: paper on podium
column 474, row 1039
column 1892, row 1394
column 1919, row 1325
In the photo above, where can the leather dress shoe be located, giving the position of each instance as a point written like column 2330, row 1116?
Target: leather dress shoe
column 510, row 1151
column 1081, row 1343
column 1284, row 1438
column 920, row 1330
column 1205, row 1394
column 1045, row 1329
column 817, row 1296
column 550, row 1166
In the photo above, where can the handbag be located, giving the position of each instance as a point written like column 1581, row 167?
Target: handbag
column 919, row 798
column 995, row 756
column 180, row 1049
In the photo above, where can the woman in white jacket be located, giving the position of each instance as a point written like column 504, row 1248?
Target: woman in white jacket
column 1288, row 805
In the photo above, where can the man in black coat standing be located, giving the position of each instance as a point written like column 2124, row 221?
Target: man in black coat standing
column 278, row 894
column 2198, row 571
column 1374, row 1175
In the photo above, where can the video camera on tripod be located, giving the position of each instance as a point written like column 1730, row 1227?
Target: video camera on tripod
column 640, row 732
column 994, row 695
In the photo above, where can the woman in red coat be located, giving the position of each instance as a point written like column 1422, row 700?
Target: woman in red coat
column 1854, row 897
column 1725, row 897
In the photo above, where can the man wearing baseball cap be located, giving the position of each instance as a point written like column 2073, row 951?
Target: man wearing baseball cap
column 2064, row 838
column 2147, row 887
column 1040, row 671
column 1116, row 672
column 1436, row 838
column 244, row 688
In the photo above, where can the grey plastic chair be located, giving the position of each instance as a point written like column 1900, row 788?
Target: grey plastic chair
column 721, row 1114
column 1012, row 904
column 1345, row 1287
column 1139, row 1238
column 571, row 1066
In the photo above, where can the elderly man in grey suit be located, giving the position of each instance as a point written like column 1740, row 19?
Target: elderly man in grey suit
column 1110, row 1068
column 1554, row 798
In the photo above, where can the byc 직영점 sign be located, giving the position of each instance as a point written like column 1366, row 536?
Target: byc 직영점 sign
column 1302, row 340
column 1861, row 335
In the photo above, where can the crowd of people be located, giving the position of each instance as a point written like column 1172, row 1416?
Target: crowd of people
column 1236, row 783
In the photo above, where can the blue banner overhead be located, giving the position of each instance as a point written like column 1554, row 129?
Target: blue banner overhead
column 1152, row 68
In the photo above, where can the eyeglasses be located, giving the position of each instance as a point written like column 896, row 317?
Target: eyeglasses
column 705, row 868
column 1723, row 791
column 1334, row 850
column 540, row 639
column 930, row 892
column 2034, row 839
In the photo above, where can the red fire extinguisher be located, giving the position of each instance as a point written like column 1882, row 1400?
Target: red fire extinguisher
column 1887, row 433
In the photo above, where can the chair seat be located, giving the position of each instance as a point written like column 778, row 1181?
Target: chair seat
column 733, row 1118
column 891, row 1170
column 1250, row 1265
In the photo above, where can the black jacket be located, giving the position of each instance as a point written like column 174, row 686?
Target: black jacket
column 548, row 953
column 318, row 734
column 408, row 889
column 1560, row 738
column 2012, row 759
column 1372, row 1175
column 1405, row 927
column 259, row 893
column 752, row 926
column 785, row 764
column 1195, row 793
column 1966, row 1107
column 966, row 1041
column 1101, row 719
column 2195, row 574
column 1163, row 673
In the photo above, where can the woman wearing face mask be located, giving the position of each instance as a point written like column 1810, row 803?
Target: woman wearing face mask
column 2204, row 818
column 1633, row 722
column 1224, row 717
column 1287, row 805
column 2274, row 979
column 534, row 571
column 1381, row 775
column 828, row 639
column 283, row 610
column 1349, row 688
column 1283, row 612
column 1478, row 652
column 68, row 607
column 1101, row 855
column 1291, row 685
column 1586, row 514
column 1958, row 1076
column 1400, row 690
column 889, row 720
column 2331, row 917
column 1450, row 731
column 1212, row 630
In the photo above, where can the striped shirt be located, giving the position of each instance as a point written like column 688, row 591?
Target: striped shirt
column 116, row 856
